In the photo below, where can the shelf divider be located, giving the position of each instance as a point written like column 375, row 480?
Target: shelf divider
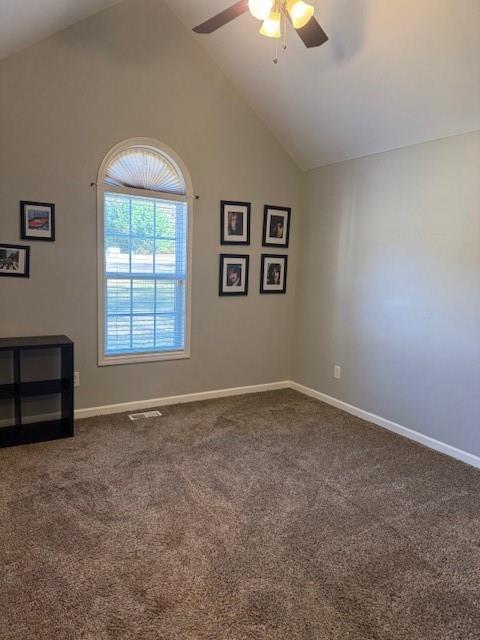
column 17, row 433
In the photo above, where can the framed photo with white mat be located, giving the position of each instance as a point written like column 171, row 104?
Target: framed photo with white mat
column 233, row 279
column 273, row 275
column 235, row 222
column 14, row 260
column 37, row 221
column 276, row 226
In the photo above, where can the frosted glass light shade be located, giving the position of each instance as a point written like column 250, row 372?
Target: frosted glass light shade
column 272, row 26
column 260, row 9
column 300, row 12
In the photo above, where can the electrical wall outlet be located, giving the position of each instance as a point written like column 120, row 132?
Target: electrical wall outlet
column 76, row 379
column 337, row 372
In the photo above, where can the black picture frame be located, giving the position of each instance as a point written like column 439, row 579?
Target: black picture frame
column 282, row 212
column 11, row 273
column 37, row 234
column 225, row 237
column 223, row 288
column 281, row 288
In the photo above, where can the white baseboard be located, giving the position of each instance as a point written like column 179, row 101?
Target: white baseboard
column 188, row 397
column 429, row 442
column 139, row 405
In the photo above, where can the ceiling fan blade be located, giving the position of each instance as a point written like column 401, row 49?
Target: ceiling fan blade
column 223, row 17
column 312, row 34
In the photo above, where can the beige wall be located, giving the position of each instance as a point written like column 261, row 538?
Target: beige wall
column 390, row 244
column 133, row 70
column 389, row 287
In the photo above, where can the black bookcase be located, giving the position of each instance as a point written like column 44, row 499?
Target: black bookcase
column 36, row 389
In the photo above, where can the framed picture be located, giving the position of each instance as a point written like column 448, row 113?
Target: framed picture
column 37, row 221
column 234, row 222
column 14, row 260
column 273, row 278
column 276, row 226
column 233, row 275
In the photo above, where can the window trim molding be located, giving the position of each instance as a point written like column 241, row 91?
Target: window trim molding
column 102, row 188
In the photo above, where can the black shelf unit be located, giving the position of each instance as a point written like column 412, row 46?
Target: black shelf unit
column 15, row 389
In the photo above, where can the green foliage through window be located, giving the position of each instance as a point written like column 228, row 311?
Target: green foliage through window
column 145, row 274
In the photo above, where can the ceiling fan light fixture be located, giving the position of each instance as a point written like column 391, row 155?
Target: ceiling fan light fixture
column 275, row 15
column 272, row 26
column 300, row 12
column 260, row 9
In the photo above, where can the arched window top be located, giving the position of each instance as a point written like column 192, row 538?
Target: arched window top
column 144, row 164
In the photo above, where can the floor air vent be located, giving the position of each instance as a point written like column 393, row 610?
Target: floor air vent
column 144, row 415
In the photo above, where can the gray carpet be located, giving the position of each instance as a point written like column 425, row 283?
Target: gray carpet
column 255, row 517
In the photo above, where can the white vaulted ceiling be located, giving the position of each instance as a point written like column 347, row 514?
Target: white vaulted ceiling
column 24, row 22
column 394, row 73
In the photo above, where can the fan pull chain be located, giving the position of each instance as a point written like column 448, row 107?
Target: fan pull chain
column 283, row 36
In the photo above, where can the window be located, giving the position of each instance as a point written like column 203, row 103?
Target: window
column 144, row 202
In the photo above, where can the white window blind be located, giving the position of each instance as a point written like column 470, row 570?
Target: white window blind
column 142, row 167
column 145, row 271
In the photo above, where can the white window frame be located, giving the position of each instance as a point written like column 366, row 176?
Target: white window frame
column 102, row 188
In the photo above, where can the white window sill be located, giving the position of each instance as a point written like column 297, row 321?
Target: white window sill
column 136, row 358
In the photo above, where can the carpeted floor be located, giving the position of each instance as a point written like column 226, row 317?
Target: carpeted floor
column 267, row 516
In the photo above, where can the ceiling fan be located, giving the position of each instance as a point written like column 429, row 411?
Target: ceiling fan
column 275, row 14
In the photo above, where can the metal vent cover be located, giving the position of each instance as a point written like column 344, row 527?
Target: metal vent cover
column 144, row 415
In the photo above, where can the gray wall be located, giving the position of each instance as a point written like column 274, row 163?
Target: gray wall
column 133, row 70
column 390, row 244
column 389, row 287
